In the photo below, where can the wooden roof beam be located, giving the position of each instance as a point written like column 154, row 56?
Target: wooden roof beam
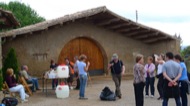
column 146, row 35
column 106, row 22
column 155, row 39
column 117, row 26
column 123, row 30
column 137, row 32
column 141, row 36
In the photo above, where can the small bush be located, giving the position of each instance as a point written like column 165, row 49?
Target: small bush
column 10, row 62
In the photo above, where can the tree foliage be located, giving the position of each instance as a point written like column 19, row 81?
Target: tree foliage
column 23, row 13
column 11, row 62
column 185, row 53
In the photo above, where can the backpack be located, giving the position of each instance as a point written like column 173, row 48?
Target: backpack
column 10, row 101
column 107, row 95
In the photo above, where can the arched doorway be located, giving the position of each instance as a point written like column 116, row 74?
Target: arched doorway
column 84, row 46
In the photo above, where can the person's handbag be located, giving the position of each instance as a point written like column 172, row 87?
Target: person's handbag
column 10, row 101
column 188, row 87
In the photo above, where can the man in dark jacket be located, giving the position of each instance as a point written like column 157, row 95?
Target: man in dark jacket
column 117, row 70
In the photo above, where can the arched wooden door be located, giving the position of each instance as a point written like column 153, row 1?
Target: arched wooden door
column 84, row 46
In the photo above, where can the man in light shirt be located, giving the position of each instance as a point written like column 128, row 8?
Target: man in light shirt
column 172, row 73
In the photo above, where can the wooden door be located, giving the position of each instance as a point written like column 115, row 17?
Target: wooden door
column 84, row 46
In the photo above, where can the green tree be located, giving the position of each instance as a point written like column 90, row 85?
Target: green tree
column 23, row 13
column 10, row 62
column 185, row 53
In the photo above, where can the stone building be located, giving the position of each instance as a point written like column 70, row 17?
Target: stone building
column 97, row 32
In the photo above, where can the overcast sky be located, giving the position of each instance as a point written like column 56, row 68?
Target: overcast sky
column 170, row 16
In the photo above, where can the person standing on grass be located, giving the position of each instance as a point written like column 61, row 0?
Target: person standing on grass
column 139, row 80
column 172, row 73
column 150, row 76
column 160, row 61
column 83, row 69
column 183, row 80
column 117, row 70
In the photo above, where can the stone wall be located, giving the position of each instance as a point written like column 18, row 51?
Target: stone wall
column 37, row 49
column 163, row 47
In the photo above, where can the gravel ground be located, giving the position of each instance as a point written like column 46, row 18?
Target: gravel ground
column 92, row 92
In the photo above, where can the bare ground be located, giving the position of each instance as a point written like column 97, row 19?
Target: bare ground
column 92, row 92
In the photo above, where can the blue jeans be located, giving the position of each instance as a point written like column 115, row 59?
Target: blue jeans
column 83, row 80
column 177, row 100
column 35, row 82
column 183, row 92
column 150, row 82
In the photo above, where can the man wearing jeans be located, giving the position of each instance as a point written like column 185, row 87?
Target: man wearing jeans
column 171, row 73
column 28, row 78
column 117, row 69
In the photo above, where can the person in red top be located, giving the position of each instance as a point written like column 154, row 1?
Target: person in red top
column 71, row 72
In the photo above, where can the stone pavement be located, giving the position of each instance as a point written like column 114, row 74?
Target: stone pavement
column 93, row 92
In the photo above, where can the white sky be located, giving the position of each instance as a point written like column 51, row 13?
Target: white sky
column 170, row 16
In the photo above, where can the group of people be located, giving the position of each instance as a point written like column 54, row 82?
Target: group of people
column 73, row 72
column 79, row 70
column 172, row 78
column 15, row 87
column 69, row 81
column 170, row 70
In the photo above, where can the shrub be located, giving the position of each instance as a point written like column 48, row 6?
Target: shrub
column 10, row 62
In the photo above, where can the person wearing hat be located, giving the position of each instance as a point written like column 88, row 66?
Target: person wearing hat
column 117, row 70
